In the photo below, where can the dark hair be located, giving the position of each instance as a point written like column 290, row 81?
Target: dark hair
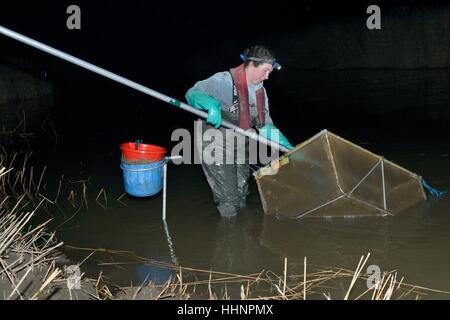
column 260, row 53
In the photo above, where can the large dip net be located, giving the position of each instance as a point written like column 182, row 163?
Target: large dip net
column 328, row 176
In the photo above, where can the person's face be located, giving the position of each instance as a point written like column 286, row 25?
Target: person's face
column 256, row 75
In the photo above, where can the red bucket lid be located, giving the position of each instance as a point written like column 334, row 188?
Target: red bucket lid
column 133, row 150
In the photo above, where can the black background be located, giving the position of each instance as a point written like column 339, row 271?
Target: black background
column 167, row 46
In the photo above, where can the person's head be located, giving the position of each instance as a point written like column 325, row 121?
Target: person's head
column 259, row 62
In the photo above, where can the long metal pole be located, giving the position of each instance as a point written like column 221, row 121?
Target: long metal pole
column 107, row 74
column 164, row 191
column 165, row 183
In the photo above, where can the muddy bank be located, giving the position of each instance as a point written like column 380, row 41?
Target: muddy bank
column 37, row 281
column 21, row 279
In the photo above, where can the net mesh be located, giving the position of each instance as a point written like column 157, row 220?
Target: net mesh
column 328, row 176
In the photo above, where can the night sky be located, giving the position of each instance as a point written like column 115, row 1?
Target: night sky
column 168, row 46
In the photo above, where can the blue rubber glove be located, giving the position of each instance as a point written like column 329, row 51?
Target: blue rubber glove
column 203, row 101
column 270, row 132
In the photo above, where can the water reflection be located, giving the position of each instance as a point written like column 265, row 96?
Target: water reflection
column 159, row 275
column 235, row 247
column 147, row 273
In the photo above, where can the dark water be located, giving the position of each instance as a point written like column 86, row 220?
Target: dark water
column 415, row 243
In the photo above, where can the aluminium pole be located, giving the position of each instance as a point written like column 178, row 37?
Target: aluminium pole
column 110, row 75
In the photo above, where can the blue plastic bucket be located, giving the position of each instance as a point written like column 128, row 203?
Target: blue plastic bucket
column 143, row 180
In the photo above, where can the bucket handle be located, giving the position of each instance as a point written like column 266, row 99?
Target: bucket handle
column 137, row 143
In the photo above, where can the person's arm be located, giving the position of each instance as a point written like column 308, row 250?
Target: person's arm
column 205, row 95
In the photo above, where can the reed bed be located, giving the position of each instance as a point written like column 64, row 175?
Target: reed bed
column 316, row 282
column 28, row 252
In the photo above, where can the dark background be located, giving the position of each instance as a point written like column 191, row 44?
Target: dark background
column 168, row 46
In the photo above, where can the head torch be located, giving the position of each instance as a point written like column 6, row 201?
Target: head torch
column 274, row 63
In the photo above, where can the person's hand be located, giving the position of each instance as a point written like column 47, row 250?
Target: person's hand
column 203, row 101
column 270, row 132
column 215, row 115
